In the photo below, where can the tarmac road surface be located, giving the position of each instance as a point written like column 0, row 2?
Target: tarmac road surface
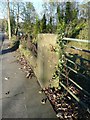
column 20, row 97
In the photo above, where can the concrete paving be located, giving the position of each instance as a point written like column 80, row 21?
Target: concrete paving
column 20, row 96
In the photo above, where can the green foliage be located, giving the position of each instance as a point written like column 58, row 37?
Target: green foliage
column 58, row 13
column 77, row 29
column 50, row 26
column 72, row 30
column 83, row 34
column 36, row 29
column 68, row 12
column 29, row 12
column 27, row 27
column 13, row 24
column 69, row 26
column 13, row 40
column 43, row 24
column 3, row 24
column 29, row 15
column 61, row 31
column 71, row 12
column 49, row 11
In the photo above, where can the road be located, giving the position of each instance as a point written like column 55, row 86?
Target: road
column 1, row 34
column 19, row 96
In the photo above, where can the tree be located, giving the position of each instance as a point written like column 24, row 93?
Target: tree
column 43, row 24
column 13, row 24
column 71, row 12
column 16, row 11
column 84, row 9
column 50, row 26
column 29, row 16
column 17, row 23
column 36, row 28
column 49, row 9
column 58, row 13
column 9, row 26
column 68, row 12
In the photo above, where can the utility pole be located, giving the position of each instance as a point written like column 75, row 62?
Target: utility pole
column 9, row 26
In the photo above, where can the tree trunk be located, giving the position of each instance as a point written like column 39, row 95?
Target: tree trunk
column 17, row 18
column 9, row 26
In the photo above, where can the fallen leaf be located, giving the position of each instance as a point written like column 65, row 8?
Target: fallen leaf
column 6, row 78
column 43, row 101
column 7, row 92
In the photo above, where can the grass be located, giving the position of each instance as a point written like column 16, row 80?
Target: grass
column 13, row 40
column 84, row 46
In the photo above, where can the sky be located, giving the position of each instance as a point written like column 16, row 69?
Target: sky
column 38, row 4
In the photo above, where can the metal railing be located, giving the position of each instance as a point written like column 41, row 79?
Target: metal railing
column 76, row 70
